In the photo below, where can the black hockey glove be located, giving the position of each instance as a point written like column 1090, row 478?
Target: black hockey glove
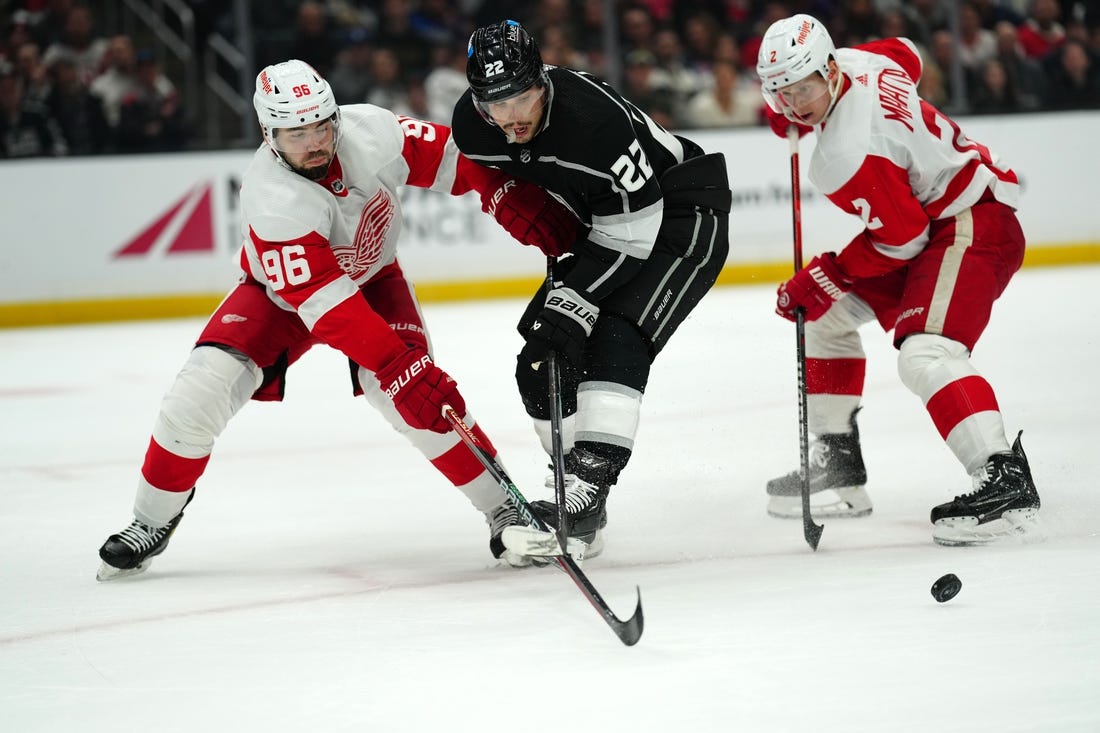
column 563, row 326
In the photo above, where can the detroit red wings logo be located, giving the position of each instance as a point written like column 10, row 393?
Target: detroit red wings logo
column 370, row 237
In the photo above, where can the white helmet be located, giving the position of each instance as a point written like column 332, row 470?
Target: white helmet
column 792, row 49
column 292, row 94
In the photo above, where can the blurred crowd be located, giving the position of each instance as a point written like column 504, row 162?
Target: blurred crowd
column 68, row 87
column 65, row 89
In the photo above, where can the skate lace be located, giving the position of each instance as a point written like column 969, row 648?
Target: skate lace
column 991, row 478
column 140, row 537
column 503, row 516
column 978, row 481
column 579, row 494
column 819, row 454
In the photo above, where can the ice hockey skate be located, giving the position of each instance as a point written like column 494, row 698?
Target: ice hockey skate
column 132, row 550
column 500, row 519
column 1004, row 504
column 837, row 479
column 586, row 512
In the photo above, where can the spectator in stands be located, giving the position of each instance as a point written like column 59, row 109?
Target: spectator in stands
column 977, row 45
column 151, row 120
column 942, row 51
column 589, row 34
column 639, row 88
column 992, row 12
column 439, row 22
column 892, row 24
column 922, row 18
column 26, row 129
column 78, row 39
column 558, row 50
column 345, row 15
column 17, row 32
column 771, row 12
column 446, row 82
column 488, row 11
column 416, row 97
column 728, row 104
column 931, row 87
column 397, row 34
column 1074, row 77
column 662, row 11
column 636, row 28
column 736, row 15
column 700, row 32
column 77, row 111
column 1024, row 74
column 994, row 92
column 350, row 77
column 36, row 80
column 48, row 27
column 313, row 41
column 672, row 73
column 1041, row 33
column 857, row 22
column 545, row 15
column 118, row 81
column 388, row 89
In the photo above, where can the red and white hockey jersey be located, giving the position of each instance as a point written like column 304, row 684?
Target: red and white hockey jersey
column 892, row 159
column 314, row 243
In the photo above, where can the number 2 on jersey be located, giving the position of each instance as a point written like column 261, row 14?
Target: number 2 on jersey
column 864, row 209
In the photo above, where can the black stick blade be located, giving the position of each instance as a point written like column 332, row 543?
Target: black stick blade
column 812, row 532
column 628, row 631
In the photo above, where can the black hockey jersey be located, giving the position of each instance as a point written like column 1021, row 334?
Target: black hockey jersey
column 600, row 156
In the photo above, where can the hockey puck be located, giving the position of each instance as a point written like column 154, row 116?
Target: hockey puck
column 946, row 588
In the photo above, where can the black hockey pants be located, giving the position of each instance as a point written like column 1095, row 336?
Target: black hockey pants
column 638, row 319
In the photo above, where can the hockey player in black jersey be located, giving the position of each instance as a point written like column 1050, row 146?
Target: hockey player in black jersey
column 655, row 210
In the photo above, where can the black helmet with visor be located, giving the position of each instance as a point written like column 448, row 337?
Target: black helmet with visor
column 502, row 61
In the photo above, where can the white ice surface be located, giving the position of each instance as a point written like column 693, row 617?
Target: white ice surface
column 326, row 579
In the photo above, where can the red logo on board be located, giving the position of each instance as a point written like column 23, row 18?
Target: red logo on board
column 187, row 226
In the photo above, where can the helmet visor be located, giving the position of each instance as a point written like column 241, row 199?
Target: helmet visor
column 801, row 95
column 522, row 112
column 297, row 141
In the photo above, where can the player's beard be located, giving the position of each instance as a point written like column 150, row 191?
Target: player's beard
column 315, row 172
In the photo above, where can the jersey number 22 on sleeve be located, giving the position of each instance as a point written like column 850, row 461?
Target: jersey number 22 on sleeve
column 632, row 169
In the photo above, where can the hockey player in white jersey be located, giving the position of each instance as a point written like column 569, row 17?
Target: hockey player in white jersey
column 321, row 221
column 940, row 243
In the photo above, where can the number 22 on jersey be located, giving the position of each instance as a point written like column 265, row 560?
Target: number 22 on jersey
column 632, row 168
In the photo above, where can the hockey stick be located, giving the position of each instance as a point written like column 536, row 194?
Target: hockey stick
column 557, row 447
column 628, row 631
column 810, row 530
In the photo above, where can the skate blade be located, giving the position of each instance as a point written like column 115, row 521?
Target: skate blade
column 532, row 543
column 847, row 503
column 110, row 572
column 1015, row 525
column 512, row 560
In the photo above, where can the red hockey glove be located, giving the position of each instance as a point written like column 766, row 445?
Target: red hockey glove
column 419, row 389
column 531, row 216
column 563, row 326
column 779, row 123
column 815, row 288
